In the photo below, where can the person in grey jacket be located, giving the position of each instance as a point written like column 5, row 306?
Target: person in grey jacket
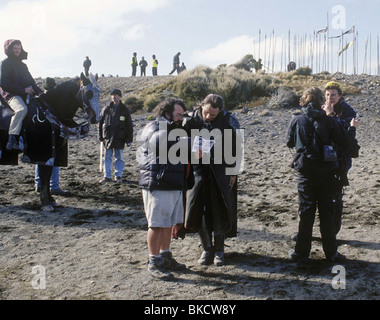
column 163, row 185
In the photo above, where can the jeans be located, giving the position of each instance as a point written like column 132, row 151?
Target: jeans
column 119, row 162
column 54, row 180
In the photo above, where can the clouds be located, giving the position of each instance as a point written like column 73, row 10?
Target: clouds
column 62, row 27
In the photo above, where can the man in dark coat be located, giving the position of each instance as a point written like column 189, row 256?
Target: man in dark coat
column 339, row 109
column 17, row 84
column 211, row 203
column 176, row 62
column 308, row 134
column 86, row 65
column 115, row 130
column 143, row 64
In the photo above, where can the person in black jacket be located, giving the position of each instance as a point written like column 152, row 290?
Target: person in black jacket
column 339, row 109
column 115, row 130
column 308, row 133
column 176, row 62
column 18, row 85
column 163, row 183
column 86, row 65
column 143, row 64
column 211, row 203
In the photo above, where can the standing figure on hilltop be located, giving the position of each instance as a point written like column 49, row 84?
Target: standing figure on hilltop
column 86, row 65
column 134, row 64
column 154, row 65
column 115, row 130
column 18, row 86
column 176, row 62
column 339, row 109
column 258, row 65
column 143, row 64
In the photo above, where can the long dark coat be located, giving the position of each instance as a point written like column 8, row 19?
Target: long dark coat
column 199, row 194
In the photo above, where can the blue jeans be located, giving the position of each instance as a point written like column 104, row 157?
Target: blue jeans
column 119, row 162
column 54, row 180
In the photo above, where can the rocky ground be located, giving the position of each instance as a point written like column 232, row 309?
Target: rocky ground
column 94, row 245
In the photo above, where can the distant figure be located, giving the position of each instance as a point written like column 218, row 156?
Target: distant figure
column 292, row 66
column 182, row 68
column 258, row 65
column 143, row 64
column 134, row 64
column 175, row 63
column 154, row 65
column 86, row 65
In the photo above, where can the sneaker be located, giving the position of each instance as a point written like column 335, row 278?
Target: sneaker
column 219, row 258
column 206, row 258
column 156, row 270
column 59, row 192
column 105, row 180
column 12, row 143
column 170, row 263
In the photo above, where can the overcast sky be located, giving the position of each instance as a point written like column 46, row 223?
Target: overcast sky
column 58, row 34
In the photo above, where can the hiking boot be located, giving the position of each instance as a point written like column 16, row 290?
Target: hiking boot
column 118, row 180
column 12, row 143
column 296, row 257
column 206, row 258
column 219, row 258
column 105, row 180
column 337, row 258
column 156, row 269
column 59, row 192
column 170, row 263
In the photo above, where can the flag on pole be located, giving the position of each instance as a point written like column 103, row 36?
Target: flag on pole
column 351, row 43
column 352, row 30
column 323, row 30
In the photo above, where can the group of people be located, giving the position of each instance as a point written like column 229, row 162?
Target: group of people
column 199, row 193
column 143, row 65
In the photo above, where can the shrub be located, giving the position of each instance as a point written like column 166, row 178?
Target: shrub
column 150, row 102
column 303, row 71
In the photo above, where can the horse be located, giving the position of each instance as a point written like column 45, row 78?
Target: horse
column 47, row 128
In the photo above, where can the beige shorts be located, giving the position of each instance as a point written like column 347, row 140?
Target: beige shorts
column 163, row 209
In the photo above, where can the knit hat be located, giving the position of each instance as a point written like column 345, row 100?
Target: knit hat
column 116, row 91
column 49, row 83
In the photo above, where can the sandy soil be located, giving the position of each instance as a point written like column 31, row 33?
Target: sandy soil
column 94, row 245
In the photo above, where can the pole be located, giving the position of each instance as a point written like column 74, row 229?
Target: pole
column 101, row 156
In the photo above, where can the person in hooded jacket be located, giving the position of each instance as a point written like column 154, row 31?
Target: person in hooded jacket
column 18, row 85
column 308, row 133
column 211, row 204
column 115, row 130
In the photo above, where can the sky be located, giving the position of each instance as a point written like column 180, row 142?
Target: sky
column 59, row 34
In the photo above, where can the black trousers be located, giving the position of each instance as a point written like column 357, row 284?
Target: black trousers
column 316, row 191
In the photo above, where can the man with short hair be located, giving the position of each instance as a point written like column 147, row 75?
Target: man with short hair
column 115, row 130
column 163, row 184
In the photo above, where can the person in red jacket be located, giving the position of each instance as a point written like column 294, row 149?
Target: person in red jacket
column 18, row 86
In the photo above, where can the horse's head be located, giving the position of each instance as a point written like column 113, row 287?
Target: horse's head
column 86, row 99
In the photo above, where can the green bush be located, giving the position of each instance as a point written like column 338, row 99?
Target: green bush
column 236, row 86
column 150, row 102
column 303, row 71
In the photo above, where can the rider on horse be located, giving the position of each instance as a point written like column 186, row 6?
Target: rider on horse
column 17, row 84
